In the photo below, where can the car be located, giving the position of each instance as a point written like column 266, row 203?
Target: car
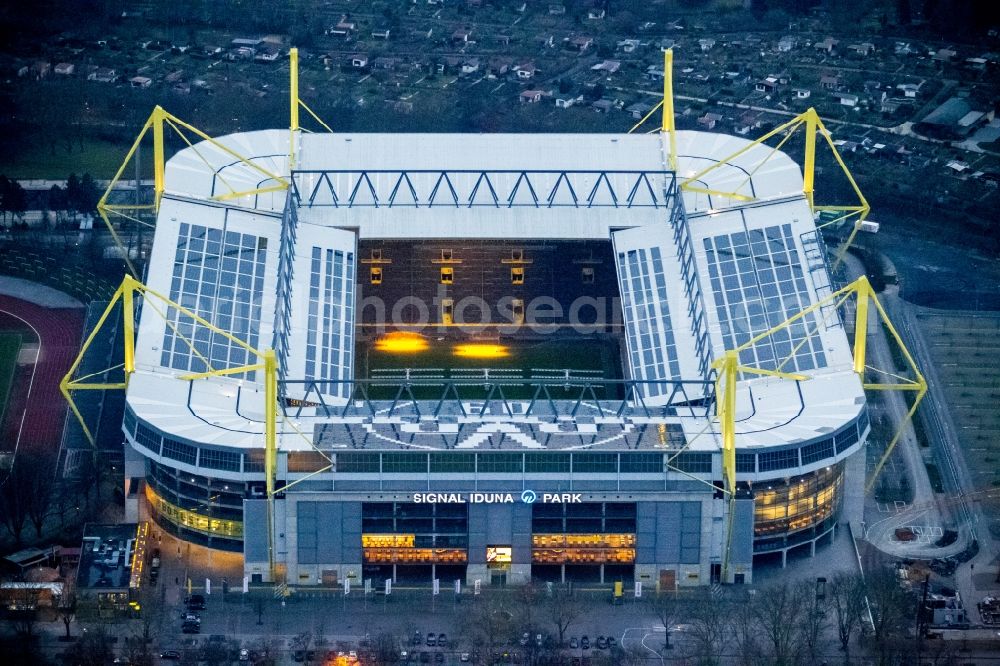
column 465, row 657
column 195, row 602
column 190, row 617
column 404, row 656
column 439, row 657
column 170, row 654
column 602, row 643
column 299, row 655
column 612, row 643
column 525, row 637
column 191, row 628
column 538, row 640
column 417, row 638
column 585, row 643
column 425, row 657
column 431, row 640
column 244, row 655
column 573, row 643
column 442, row 640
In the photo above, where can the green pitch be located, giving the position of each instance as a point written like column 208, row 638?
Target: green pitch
column 10, row 344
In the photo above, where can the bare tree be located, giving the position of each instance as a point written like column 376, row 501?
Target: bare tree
column 746, row 635
column 66, row 606
column 39, row 471
column 14, row 498
column 668, row 609
column 847, row 596
column 891, row 611
column 21, row 611
column 708, row 628
column 563, row 611
column 778, row 612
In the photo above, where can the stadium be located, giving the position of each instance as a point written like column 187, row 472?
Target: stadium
column 495, row 358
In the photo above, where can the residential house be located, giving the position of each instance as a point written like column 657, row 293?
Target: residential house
column 470, row 66
column 244, row 42
column 903, row 48
column 654, row 73
column 609, row 66
column 65, row 69
column 595, row 14
column 706, row 43
column 174, row 76
column 802, row 93
column 359, row 61
column 526, row 71
column 829, row 82
column 531, row 96
column 499, row 65
column 786, row 44
column 381, row 33
column 709, row 120
column 827, row 45
column 140, row 81
column 846, row 99
column 461, row 36
column 40, row 69
column 242, row 53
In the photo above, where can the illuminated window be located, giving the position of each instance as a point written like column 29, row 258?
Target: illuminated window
column 376, row 275
column 447, row 307
column 587, row 275
column 447, row 275
column 517, row 275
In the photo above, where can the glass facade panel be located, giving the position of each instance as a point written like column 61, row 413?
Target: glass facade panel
column 499, row 462
column 804, row 502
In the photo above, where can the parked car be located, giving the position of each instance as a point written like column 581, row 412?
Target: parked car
column 195, row 602
column 465, row 657
column 612, row 643
column 431, row 640
column 525, row 637
column 190, row 617
column 417, row 638
column 442, row 640
column 585, row 643
column 244, row 655
column 602, row 643
column 538, row 640
column 573, row 643
column 170, row 654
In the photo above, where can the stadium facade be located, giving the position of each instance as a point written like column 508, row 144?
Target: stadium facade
column 570, row 297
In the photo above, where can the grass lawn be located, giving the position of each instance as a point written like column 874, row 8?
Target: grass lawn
column 523, row 358
column 34, row 159
column 10, row 343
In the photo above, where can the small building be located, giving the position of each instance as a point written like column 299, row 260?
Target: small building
column 174, row 76
column 381, row 33
column 244, row 42
column 579, row 43
column 638, row 110
column 267, row 53
column 567, row 102
column 829, row 82
column 864, row 49
column 499, row 65
column 603, row 105
column 802, row 93
column 609, row 66
column 950, row 120
column 786, row 44
column 112, row 564
column 748, row 122
column 23, row 596
column 531, row 96
column 943, row 55
column 706, row 43
column 103, row 75
column 65, row 69
column 709, row 120
column 846, row 99
column 654, row 73
column 526, row 71
column 385, row 62
column 595, row 14
column 768, row 85
column 461, row 36
column 628, row 45
column 827, row 45
column 140, row 82
column 470, row 66
column 359, row 61
column 909, row 90
column 343, row 28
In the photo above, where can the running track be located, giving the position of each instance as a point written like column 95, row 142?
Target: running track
column 37, row 397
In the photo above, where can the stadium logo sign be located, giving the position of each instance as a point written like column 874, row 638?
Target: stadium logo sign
column 528, row 497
